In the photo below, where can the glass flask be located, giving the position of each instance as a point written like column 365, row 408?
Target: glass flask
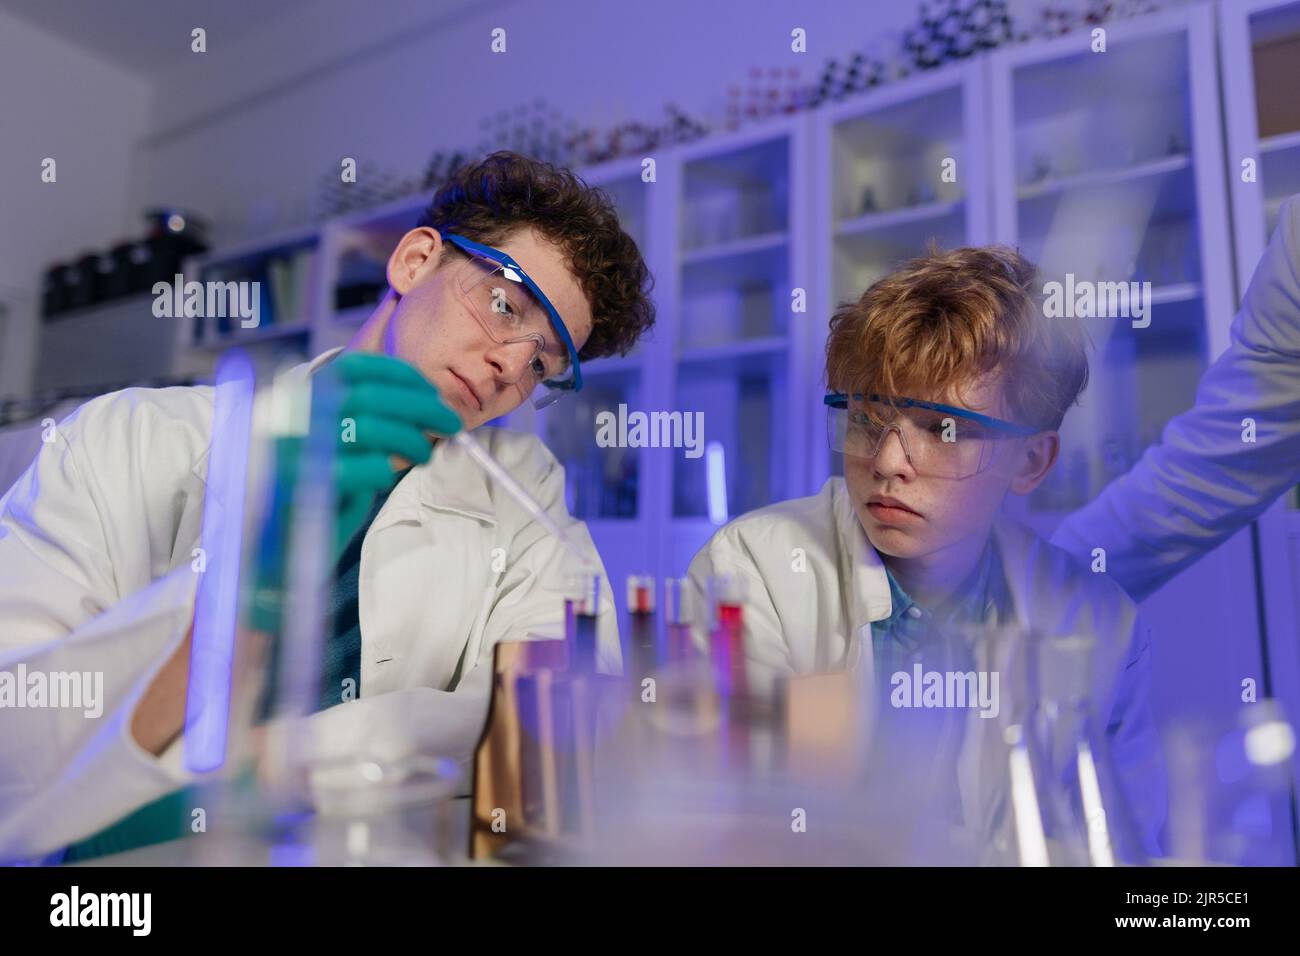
column 1039, row 783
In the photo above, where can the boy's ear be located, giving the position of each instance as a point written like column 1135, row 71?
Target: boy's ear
column 1035, row 461
column 417, row 254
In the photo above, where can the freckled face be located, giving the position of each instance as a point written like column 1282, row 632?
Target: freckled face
column 906, row 515
column 434, row 328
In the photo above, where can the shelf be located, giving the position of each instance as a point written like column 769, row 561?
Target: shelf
column 1105, row 177
column 251, row 250
column 1147, row 221
column 612, row 365
column 769, row 345
column 354, row 316
column 1181, row 292
column 265, row 333
column 735, row 197
column 741, row 161
column 894, row 218
column 141, row 302
column 860, row 245
column 1177, row 329
column 765, row 262
column 1279, row 142
column 735, row 248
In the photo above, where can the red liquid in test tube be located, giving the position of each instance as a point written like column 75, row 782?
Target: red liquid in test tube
column 727, row 635
column 727, row 644
column 642, row 657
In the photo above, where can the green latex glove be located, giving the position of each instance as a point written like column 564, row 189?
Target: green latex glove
column 385, row 408
column 376, row 410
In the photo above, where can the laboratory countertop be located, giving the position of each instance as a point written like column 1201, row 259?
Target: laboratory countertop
column 450, row 847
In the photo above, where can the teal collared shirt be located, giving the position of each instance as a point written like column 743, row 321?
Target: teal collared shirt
column 913, row 634
column 936, row 640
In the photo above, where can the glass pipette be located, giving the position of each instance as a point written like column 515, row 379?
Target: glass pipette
column 529, row 504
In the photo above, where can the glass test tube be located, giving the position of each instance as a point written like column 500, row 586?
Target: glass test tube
column 727, row 633
column 642, row 657
column 727, row 662
column 677, row 620
column 581, row 608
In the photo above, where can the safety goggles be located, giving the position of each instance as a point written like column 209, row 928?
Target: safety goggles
column 941, row 441
column 513, row 311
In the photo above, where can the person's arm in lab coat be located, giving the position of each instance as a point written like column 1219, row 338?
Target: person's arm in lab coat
column 526, row 601
column 1204, row 481
column 81, row 540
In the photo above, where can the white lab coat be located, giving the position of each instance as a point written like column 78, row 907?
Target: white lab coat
column 96, row 542
column 1202, row 482
column 818, row 619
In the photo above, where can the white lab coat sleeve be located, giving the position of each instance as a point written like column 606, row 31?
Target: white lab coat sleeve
column 1204, row 480
column 67, row 772
column 388, row 728
column 1135, row 743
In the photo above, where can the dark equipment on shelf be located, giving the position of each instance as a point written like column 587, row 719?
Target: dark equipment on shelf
column 130, row 267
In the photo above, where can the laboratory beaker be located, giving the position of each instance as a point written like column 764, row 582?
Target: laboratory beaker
column 1042, row 781
column 381, row 812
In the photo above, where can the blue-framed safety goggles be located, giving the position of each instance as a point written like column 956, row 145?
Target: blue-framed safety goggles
column 512, row 271
column 940, row 440
column 841, row 400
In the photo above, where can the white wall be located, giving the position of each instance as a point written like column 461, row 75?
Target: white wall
column 58, row 101
column 244, row 133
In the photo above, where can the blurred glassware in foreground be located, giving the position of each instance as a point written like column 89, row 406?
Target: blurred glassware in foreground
column 1041, row 787
column 1231, row 787
column 374, row 812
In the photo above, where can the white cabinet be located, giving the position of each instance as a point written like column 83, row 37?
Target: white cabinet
column 739, row 349
column 898, row 168
column 1109, row 167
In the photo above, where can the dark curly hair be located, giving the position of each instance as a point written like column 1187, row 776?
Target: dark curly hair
column 940, row 321
column 489, row 199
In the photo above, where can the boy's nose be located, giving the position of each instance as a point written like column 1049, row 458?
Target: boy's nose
column 510, row 360
column 891, row 457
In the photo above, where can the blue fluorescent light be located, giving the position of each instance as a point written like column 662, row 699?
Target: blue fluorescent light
column 212, row 652
column 715, row 459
